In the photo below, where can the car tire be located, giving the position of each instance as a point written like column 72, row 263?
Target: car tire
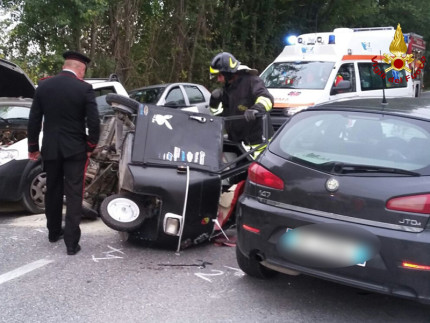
column 115, row 221
column 123, row 100
column 252, row 267
column 33, row 198
column 89, row 213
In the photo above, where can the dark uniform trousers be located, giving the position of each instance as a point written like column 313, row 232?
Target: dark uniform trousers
column 65, row 176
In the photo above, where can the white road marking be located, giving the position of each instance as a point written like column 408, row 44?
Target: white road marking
column 23, row 270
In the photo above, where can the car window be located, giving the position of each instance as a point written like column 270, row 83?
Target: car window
column 318, row 138
column 194, row 94
column 369, row 80
column 11, row 112
column 346, row 72
column 103, row 107
column 175, row 97
column 150, row 95
column 298, row 75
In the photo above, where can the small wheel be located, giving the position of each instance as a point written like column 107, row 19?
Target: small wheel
column 33, row 198
column 252, row 266
column 121, row 213
column 118, row 100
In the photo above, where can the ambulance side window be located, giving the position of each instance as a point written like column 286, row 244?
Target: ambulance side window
column 346, row 72
column 371, row 80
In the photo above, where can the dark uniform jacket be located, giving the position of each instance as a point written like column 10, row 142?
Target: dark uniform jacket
column 67, row 107
column 239, row 96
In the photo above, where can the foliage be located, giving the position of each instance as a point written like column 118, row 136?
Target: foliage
column 158, row 41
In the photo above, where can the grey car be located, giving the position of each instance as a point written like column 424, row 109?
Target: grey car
column 342, row 193
column 186, row 96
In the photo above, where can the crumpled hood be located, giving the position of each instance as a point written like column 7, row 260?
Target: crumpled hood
column 14, row 82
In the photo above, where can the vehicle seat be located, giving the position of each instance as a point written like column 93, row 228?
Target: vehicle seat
column 419, row 151
column 364, row 138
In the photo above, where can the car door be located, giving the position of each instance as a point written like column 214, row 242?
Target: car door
column 175, row 97
column 196, row 98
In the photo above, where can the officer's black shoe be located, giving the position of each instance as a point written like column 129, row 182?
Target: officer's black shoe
column 56, row 237
column 72, row 252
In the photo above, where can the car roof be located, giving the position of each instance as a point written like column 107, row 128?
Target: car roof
column 164, row 85
column 111, row 78
column 406, row 106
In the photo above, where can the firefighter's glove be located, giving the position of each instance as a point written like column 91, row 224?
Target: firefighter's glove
column 217, row 93
column 216, row 97
column 250, row 114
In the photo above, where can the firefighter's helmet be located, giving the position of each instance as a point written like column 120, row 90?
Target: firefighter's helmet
column 224, row 63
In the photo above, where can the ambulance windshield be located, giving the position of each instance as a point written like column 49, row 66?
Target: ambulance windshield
column 298, row 75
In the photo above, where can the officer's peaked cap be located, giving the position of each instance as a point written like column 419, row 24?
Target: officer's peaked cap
column 70, row 54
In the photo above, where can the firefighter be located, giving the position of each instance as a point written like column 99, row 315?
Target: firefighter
column 243, row 93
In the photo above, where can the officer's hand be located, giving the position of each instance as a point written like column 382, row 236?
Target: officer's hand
column 250, row 114
column 34, row 156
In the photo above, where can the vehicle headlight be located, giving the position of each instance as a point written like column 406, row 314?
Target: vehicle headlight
column 292, row 111
column 6, row 155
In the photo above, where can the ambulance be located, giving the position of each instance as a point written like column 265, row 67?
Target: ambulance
column 345, row 63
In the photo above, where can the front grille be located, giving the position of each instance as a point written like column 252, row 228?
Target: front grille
column 276, row 112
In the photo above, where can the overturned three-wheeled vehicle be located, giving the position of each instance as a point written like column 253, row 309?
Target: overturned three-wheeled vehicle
column 158, row 173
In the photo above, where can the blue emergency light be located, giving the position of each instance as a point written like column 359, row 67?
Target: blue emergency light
column 291, row 40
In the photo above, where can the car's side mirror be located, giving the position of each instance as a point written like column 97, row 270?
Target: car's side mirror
column 342, row 86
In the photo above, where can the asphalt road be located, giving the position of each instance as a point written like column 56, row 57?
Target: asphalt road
column 115, row 281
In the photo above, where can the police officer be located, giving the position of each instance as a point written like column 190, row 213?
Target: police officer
column 66, row 104
column 244, row 93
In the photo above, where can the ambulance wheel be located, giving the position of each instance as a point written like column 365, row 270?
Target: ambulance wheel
column 417, row 91
column 121, row 213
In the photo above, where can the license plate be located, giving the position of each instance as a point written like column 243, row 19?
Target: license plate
column 322, row 248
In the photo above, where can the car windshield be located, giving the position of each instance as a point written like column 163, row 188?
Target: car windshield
column 148, row 95
column 14, row 112
column 338, row 141
column 298, row 75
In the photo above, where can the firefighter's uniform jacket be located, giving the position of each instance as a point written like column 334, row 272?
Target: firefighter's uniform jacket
column 245, row 92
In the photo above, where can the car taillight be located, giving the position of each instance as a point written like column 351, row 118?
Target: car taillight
column 260, row 175
column 409, row 265
column 413, row 203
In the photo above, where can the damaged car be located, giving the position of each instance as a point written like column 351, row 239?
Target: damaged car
column 22, row 180
column 19, row 179
column 159, row 173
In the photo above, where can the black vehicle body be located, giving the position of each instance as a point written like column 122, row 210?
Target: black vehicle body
column 382, row 205
column 170, row 173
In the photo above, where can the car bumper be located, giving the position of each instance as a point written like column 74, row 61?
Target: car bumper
column 383, row 273
column 11, row 177
column 170, row 186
